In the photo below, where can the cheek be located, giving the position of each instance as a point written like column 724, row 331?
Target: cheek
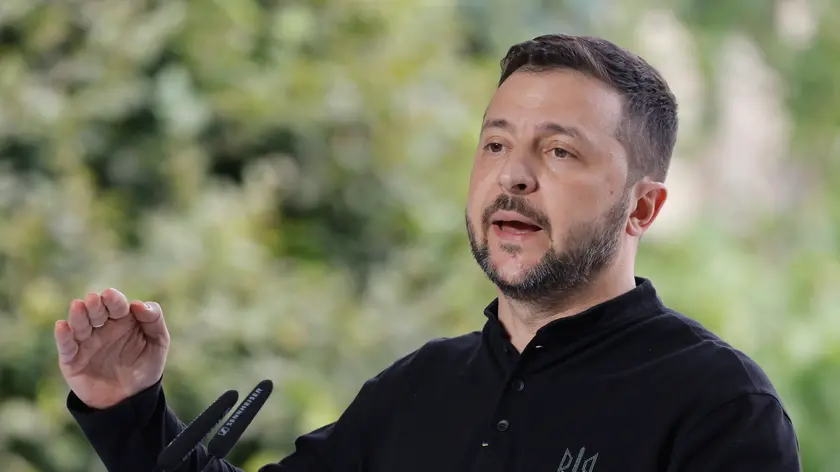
column 482, row 192
column 570, row 212
column 479, row 178
column 475, row 212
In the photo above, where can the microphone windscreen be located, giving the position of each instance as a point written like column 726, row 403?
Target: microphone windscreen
column 230, row 432
column 174, row 454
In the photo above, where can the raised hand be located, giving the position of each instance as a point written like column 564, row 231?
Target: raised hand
column 110, row 349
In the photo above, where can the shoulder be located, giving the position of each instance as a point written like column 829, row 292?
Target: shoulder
column 708, row 354
column 437, row 352
column 433, row 360
column 708, row 371
column 723, row 394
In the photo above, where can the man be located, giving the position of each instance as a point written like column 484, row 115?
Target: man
column 579, row 367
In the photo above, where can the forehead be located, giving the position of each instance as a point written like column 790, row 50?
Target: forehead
column 561, row 96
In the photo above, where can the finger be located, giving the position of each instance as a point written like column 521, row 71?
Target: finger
column 151, row 321
column 78, row 321
column 65, row 342
column 115, row 303
column 96, row 309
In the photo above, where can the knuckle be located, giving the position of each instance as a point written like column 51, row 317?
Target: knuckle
column 114, row 294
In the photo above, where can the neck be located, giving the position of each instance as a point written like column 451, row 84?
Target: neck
column 523, row 320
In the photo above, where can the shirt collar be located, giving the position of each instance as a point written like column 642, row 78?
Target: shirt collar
column 639, row 301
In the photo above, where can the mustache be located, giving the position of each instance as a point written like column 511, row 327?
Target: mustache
column 516, row 204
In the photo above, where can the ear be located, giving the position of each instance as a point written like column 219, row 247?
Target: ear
column 650, row 197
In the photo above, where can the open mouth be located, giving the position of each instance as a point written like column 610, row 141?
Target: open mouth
column 517, row 227
column 514, row 223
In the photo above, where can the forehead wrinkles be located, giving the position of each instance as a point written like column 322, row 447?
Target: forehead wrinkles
column 561, row 96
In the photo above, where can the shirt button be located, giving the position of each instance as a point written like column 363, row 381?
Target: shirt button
column 518, row 385
column 503, row 425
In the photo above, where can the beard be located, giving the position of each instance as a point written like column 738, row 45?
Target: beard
column 589, row 249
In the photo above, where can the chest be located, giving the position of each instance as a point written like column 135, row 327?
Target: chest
column 544, row 422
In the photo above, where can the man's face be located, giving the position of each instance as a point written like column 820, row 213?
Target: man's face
column 548, row 198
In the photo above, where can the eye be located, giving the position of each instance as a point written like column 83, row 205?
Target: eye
column 495, row 148
column 561, row 153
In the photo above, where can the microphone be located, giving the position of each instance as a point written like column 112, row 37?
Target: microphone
column 230, row 432
column 179, row 448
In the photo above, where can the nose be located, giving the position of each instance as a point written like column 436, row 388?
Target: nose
column 518, row 177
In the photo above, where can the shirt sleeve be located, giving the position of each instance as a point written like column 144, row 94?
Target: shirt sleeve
column 751, row 432
column 129, row 436
column 341, row 446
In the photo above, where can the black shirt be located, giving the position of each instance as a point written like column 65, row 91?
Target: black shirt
column 628, row 385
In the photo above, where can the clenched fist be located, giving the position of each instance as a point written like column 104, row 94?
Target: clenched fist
column 110, row 349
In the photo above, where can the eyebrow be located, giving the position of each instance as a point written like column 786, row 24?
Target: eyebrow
column 546, row 127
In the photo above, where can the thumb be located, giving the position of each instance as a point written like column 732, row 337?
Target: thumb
column 150, row 317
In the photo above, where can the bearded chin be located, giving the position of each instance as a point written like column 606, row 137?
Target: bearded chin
column 558, row 275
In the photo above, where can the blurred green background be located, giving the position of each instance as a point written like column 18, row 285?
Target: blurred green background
column 288, row 178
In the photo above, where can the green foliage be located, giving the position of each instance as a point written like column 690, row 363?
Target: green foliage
column 288, row 178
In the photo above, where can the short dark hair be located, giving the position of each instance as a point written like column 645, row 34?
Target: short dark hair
column 649, row 126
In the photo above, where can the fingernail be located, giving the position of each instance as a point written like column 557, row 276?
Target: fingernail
column 149, row 306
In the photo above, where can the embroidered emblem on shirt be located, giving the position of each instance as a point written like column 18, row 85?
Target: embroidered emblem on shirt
column 570, row 463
